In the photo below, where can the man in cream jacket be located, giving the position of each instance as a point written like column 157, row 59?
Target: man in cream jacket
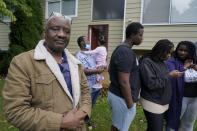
column 46, row 89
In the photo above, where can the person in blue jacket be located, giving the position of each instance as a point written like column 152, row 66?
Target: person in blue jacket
column 183, row 58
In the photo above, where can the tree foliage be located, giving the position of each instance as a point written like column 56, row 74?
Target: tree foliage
column 25, row 32
column 7, row 6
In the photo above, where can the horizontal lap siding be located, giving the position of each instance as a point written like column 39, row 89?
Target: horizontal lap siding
column 80, row 24
column 4, row 36
column 153, row 33
column 80, row 27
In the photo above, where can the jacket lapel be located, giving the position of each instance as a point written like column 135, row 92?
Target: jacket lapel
column 73, row 66
column 41, row 53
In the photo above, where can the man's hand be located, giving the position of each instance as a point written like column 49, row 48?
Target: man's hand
column 125, row 88
column 73, row 119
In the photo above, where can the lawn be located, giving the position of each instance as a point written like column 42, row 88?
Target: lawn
column 100, row 115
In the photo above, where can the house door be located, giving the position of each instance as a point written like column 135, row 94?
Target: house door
column 94, row 32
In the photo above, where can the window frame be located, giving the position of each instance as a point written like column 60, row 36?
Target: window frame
column 164, row 23
column 60, row 11
column 92, row 6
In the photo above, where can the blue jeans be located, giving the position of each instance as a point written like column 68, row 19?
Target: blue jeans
column 94, row 95
column 121, row 115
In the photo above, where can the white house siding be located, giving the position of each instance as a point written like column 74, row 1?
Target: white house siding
column 4, row 33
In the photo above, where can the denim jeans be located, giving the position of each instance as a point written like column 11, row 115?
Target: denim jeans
column 121, row 115
column 94, row 95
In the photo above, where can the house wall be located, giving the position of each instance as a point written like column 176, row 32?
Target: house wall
column 80, row 27
column 4, row 34
column 153, row 33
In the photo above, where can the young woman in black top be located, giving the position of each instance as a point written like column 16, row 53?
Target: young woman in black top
column 189, row 102
column 156, row 85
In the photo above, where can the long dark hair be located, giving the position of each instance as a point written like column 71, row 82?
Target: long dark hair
column 190, row 48
column 161, row 47
column 102, row 40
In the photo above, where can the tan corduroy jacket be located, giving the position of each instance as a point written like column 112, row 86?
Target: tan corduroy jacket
column 35, row 94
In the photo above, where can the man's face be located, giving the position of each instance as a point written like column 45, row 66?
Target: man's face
column 137, row 38
column 57, row 35
column 84, row 43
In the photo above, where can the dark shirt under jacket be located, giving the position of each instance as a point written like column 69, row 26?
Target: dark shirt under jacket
column 64, row 68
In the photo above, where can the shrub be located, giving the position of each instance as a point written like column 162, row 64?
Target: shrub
column 25, row 33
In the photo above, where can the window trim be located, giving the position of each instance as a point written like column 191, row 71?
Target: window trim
column 164, row 23
column 46, row 8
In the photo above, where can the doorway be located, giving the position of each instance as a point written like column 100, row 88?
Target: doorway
column 94, row 31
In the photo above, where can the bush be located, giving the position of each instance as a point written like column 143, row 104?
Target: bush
column 25, row 33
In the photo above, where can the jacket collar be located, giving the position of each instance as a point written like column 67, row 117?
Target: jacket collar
column 41, row 53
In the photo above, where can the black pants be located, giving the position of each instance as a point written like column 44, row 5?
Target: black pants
column 154, row 121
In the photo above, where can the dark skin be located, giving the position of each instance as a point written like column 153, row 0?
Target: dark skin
column 134, row 39
column 164, row 57
column 89, row 71
column 57, row 36
column 183, row 53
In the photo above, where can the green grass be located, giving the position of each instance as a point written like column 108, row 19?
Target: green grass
column 100, row 115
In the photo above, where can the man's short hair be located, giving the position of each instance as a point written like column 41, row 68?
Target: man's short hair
column 79, row 40
column 133, row 28
column 57, row 15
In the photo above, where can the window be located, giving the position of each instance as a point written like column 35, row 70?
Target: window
column 108, row 9
column 4, row 18
column 7, row 18
column 169, row 12
column 65, row 7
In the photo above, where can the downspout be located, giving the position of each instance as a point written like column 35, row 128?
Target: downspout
column 123, row 30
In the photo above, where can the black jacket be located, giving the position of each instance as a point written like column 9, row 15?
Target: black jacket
column 156, row 84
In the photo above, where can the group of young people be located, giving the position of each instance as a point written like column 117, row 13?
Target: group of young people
column 159, row 77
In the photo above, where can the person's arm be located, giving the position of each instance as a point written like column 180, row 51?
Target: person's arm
column 92, row 52
column 125, row 88
column 93, row 71
column 175, row 71
column 17, row 99
column 150, row 76
column 123, row 61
